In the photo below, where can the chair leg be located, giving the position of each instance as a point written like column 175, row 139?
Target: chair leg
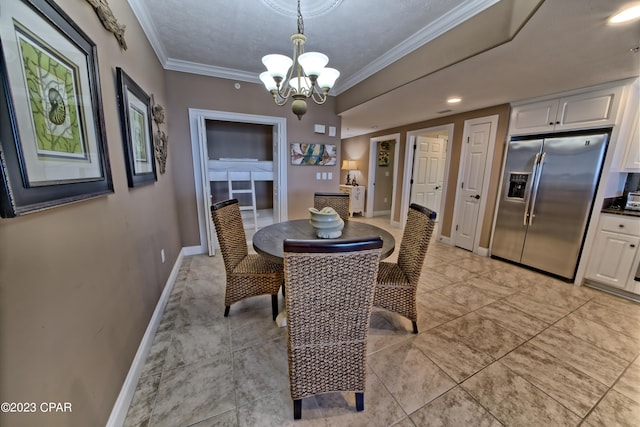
column 415, row 327
column 283, row 291
column 274, row 306
column 226, row 310
column 297, row 409
column 359, row 401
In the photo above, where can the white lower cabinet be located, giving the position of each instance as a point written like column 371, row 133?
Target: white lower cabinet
column 615, row 253
column 356, row 198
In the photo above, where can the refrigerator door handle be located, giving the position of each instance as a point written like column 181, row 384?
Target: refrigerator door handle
column 534, row 175
column 535, row 192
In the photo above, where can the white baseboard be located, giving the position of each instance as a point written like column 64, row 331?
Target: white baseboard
column 446, row 240
column 120, row 408
column 482, row 251
column 193, row 250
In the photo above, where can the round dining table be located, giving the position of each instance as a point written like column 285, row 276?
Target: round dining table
column 268, row 241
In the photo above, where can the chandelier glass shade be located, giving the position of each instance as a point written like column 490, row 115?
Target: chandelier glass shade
column 305, row 76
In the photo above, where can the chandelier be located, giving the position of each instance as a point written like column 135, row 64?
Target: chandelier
column 312, row 79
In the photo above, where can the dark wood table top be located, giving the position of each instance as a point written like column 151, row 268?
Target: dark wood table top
column 268, row 241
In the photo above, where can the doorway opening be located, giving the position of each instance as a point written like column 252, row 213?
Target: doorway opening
column 427, row 156
column 203, row 173
column 382, row 176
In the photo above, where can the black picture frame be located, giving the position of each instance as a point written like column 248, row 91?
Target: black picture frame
column 53, row 145
column 137, row 133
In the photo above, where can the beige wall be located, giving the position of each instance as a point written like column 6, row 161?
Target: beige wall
column 384, row 179
column 79, row 283
column 360, row 144
column 209, row 93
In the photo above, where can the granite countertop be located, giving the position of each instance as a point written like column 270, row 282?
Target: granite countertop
column 619, row 211
column 615, row 205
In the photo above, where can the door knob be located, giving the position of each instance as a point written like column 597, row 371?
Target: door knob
column 477, row 196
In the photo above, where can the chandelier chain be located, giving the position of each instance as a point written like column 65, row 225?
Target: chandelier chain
column 300, row 22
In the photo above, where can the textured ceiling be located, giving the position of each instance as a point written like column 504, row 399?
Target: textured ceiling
column 565, row 45
column 231, row 37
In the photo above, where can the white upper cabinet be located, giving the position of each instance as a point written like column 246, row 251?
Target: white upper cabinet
column 582, row 111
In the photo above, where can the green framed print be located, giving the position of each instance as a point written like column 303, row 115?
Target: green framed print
column 135, row 121
column 52, row 138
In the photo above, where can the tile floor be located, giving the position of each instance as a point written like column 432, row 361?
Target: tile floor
column 498, row 345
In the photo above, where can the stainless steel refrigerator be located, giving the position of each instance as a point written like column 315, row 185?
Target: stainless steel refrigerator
column 546, row 198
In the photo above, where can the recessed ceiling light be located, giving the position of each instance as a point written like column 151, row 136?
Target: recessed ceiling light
column 454, row 100
column 626, row 15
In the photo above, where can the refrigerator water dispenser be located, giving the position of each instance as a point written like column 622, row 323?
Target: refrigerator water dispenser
column 517, row 185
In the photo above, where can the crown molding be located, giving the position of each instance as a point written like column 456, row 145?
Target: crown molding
column 210, row 70
column 142, row 14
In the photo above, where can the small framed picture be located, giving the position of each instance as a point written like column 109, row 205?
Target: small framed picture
column 135, row 123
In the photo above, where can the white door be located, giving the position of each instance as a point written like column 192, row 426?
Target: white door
column 470, row 190
column 428, row 172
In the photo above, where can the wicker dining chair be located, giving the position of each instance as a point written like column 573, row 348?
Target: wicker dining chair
column 338, row 201
column 329, row 299
column 397, row 282
column 247, row 274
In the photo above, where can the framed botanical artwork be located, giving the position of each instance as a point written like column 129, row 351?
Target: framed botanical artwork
column 383, row 158
column 135, row 121
column 313, row 154
column 383, row 153
column 53, row 146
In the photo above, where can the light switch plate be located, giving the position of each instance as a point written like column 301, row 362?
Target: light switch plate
column 324, row 176
column 317, row 176
column 332, row 131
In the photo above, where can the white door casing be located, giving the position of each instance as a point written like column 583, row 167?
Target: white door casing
column 428, row 172
column 409, row 160
column 473, row 176
column 199, row 151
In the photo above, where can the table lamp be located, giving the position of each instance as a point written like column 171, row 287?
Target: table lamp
column 349, row 165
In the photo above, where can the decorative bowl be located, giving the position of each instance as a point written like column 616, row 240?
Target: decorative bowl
column 326, row 222
column 325, row 214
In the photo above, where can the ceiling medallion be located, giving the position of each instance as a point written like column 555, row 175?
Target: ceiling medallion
column 312, row 9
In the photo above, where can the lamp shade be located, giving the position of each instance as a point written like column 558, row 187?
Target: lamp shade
column 328, row 77
column 277, row 65
column 313, row 63
column 268, row 81
column 300, row 85
column 348, row 165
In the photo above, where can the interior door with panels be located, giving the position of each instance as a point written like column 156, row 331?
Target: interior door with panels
column 475, row 166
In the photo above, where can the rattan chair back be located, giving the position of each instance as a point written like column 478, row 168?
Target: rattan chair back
column 329, row 298
column 397, row 283
column 415, row 241
column 247, row 274
column 230, row 231
column 338, row 201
